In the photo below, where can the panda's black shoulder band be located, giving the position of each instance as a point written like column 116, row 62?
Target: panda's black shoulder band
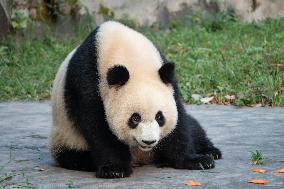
column 117, row 75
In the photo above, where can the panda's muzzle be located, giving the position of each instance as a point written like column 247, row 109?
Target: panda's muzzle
column 149, row 142
column 147, row 135
column 147, row 145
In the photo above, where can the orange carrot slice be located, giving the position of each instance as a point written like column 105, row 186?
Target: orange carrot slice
column 278, row 171
column 193, row 183
column 258, row 181
column 258, row 170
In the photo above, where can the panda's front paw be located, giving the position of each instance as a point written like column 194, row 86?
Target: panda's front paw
column 215, row 153
column 113, row 171
column 199, row 162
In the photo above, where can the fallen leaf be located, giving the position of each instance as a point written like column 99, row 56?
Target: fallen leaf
column 193, row 183
column 258, row 181
column 207, row 100
column 257, row 105
column 278, row 66
column 278, row 171
column 230, row 97
column 258, row 170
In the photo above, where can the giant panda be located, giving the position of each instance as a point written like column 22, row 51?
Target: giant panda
column 116, row 105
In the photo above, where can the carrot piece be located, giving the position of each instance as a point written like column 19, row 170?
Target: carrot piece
column 193, row 183
column 258, row 181
column 278, row 171
column 258, row 170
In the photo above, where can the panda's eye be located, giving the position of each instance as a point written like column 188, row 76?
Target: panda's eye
column 160, row 118
column 134, row 120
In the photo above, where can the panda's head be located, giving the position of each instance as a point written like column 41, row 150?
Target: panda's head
column 141, row 112
column 135, row 86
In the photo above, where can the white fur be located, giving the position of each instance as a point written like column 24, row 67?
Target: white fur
column 144, row 93
column 149, row 131
column 63, row 133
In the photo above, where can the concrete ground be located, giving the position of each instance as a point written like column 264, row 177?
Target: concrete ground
column 25, row 161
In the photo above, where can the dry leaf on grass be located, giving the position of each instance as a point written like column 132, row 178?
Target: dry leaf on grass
column 258, row 181
column 230, row 97
column 257, row 105
column 193, row 183
column 258, row 170
column 207, row 100
column 278, row 171
column 278, row 66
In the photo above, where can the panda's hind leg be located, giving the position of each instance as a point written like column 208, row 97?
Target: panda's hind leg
column 75, row 160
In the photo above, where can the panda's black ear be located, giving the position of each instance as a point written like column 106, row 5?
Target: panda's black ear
column 117, row 75
column 167, row 72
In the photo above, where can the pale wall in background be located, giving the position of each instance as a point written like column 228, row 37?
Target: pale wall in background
column 147, row 12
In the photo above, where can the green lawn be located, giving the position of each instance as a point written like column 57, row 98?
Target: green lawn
column 212, row 59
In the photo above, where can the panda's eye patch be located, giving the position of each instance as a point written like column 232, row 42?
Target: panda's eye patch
column 160, row 118
column 134, row 120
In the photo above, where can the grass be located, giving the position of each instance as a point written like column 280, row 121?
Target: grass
column 257, row 158
column 15, row 180
column 28, row 65
column 213, row 57
column 70, row 184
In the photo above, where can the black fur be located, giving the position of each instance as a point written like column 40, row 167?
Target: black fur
column 75, row 160
column 118, row 75
column 85, row 108
column 167, row 73
column 160, row 118
column 134, row 120
column 187, row 147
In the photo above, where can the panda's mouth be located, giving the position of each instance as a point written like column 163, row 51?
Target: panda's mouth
column 142, row 147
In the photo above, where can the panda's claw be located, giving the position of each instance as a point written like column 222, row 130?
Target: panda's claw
column 214, row 152
column 201, row 166
column 199, row 162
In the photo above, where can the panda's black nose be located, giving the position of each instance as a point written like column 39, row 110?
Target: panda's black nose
column 148, row 142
